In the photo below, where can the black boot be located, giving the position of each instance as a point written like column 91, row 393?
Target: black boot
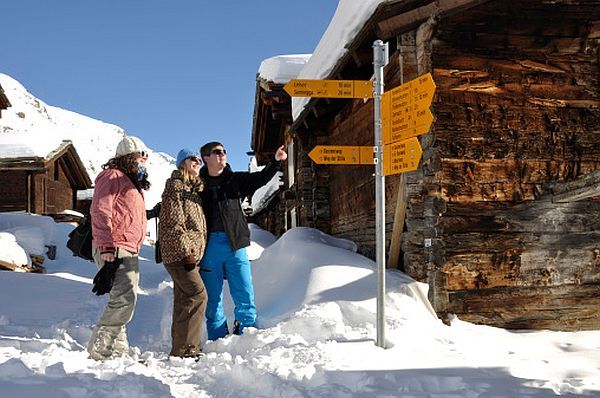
column 237, row 328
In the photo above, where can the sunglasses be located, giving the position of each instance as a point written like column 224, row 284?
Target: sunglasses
column 218, row 152
column 142, row 154
column 194, row 159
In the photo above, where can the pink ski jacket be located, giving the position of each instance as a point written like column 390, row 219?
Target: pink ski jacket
column 118, row 213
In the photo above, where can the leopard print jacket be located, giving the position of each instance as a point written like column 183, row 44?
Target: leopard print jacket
column 182, row 228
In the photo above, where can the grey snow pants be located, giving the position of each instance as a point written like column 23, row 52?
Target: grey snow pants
column 109, row 336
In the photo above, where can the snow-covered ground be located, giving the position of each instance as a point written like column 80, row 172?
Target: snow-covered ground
column 315, row 297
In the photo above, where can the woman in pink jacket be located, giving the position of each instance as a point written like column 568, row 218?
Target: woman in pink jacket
column 118, row 217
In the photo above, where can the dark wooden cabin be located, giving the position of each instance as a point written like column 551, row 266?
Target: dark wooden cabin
column 45, row 185
column 272, row 120
column 502, row 218
column 4, row 102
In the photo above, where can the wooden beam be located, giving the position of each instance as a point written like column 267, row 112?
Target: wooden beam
column 400, row 23
column 584, row 187
column 398, row 227
column 362, row 56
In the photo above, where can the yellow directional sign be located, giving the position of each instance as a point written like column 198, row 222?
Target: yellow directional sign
column 332, row 154
column 405, row 109
column 330, row 88
column 401, row 156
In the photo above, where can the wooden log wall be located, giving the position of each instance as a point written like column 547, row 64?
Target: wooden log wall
column 60, row 194
column 45, row 192
column 14, row 191
column 517, row 109
column 312, row 200
column 271, row 218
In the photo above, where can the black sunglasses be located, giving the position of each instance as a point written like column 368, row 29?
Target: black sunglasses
column 143, row 154
column 219, row 152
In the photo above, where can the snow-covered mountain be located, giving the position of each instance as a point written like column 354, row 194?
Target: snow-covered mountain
column 33, row 127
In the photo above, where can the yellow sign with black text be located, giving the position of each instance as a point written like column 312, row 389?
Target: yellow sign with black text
column 405, row 109
column 329, row 88
column 336, row 154
column 401, row 156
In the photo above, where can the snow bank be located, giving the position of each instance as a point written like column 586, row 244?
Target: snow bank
column 316, row 300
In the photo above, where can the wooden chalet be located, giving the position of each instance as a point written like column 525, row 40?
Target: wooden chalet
column 43, row 185
column 4, row 102
column 502, row 218
column 271, row 122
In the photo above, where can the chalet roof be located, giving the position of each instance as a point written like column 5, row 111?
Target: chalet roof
column 351, row 57
column 272, row 105
column 4, row 102
column 20, row 157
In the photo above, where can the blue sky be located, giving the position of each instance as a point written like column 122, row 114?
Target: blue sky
column 175, row 73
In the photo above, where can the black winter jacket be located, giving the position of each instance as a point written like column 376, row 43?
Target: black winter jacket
column 232, row 188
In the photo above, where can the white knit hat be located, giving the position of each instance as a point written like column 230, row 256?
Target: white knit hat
column 129, row 145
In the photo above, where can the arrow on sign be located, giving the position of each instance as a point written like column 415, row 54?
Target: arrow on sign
column 332, row 154
column 401, row 156
column 329, row 88
column 406, row 124
column 405, row 109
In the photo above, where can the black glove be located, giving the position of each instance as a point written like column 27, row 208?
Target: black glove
column 103, row 281
column 189, row 267
column 154, row 212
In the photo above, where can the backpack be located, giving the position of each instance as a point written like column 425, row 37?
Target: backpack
column 80, row 240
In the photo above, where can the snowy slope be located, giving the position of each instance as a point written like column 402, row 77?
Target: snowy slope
column 31, row 127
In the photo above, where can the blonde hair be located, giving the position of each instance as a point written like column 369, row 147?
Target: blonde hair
column 187, row 176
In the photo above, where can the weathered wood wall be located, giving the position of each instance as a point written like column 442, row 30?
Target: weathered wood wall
column 304, row 190
column 60, row 193
column 352, row 187
column 517, row 109
column 14, row 191
column 44, row 192
column 311, row 195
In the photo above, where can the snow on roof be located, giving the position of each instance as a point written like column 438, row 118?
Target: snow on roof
column 282, row 68
column 16, row 150
column 349, row 18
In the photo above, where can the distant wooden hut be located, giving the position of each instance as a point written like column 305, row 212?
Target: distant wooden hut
column 4, row 102
column 43, row 185
column 502, row 219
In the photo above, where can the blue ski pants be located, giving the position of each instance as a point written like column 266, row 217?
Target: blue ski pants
column 220, row 262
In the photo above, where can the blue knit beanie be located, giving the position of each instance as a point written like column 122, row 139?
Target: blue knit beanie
column 184, row 154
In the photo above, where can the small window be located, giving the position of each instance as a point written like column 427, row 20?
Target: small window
column 56, row 170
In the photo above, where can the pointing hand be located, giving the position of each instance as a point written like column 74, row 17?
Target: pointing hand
column 280, row 155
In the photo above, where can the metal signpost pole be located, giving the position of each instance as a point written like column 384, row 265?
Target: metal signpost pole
column 380, row 59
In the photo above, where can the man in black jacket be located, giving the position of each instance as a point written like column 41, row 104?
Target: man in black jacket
column 225, row 255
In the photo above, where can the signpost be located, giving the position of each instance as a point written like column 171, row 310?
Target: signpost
column 329, row 88
column 400, row 115
column 331, row 154
column 380, row 59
